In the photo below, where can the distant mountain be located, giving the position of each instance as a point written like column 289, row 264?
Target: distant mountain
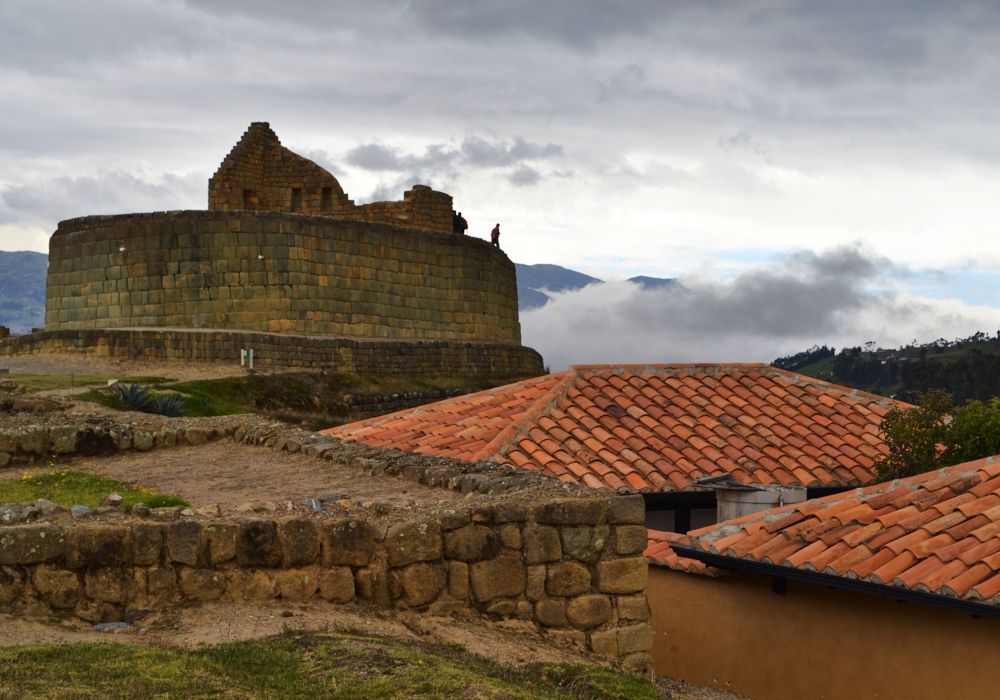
column 22, row 290
column 655, row 282
column 532, row 279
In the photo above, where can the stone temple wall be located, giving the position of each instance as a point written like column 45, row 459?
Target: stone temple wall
column 260, row 174
column 278, row 273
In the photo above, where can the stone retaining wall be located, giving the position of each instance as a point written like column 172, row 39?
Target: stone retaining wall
column 347, row 355
column 278, row 272
column 574, row 566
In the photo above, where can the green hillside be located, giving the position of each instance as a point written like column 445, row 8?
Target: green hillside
column 967, row 368
column 22, row 290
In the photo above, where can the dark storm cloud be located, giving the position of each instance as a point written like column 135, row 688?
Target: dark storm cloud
column 760, row 314
column 473, row 151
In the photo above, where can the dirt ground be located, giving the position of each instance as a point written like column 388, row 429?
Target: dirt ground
column 75, row 363
column 230, row 474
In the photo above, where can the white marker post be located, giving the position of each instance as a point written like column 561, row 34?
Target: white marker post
column 246, row 355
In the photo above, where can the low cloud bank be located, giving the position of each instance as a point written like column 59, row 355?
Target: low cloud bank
column 836, row 297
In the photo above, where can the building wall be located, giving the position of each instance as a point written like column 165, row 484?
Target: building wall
column 276, row 272
column 272, row 350
column 260, row 174
column 734, row 633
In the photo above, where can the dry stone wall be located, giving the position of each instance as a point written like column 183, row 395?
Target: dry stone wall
column 574, row 566
column 276, row 272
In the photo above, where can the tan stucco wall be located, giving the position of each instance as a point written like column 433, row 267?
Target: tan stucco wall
column 815, row 643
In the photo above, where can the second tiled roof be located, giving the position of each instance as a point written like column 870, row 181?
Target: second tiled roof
column 653, row 427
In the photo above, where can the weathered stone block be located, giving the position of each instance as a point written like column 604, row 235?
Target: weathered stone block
column 641, row 664
column 202, row 584
column 59, row 587
column 588, row 611
column 411, row 542
column 471, row 543
column 257, row 544
column 422, row 582
column 510, row 536
column 631, row 539
column 622, row 575
column 541, row 544
column 337, row 584
column 182, row 542
column 94, row 611
column 147, row 543
column 551, row 612
column 627, row 510
column 633, row 607
column 571, row 511
column 635, row 638
column 458, row 579
column 347, row 543
column 570, row 637
column 63, row 439
column 260, row 586
column 196, row 436
column 535, row 587
column 142, row 441
column 219, row 541
column 584, row 543
column 567, row 578
column 495, row 578
column 299, row 539
column 161, row 583
column 605, row 643
column 107, row 584
column 297, row 584
column 31, row 544
column 98, row 546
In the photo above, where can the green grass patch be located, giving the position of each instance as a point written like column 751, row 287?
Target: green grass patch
column 319, row 399
column 42, row 382
column 69, row 488
column 334, row 665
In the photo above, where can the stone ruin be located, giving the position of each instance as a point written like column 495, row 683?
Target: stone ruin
column 260, row 174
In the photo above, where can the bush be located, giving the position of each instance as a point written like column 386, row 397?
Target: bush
column 170, row 405
column 135, row 397
column 933, row 434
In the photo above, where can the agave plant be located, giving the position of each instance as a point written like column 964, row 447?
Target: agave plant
column 170, row 405
column 135, row 397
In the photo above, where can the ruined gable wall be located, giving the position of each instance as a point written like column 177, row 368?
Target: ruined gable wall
column 260, row 174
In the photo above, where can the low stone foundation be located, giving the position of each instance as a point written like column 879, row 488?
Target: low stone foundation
column 280, row 350
column 573, row 566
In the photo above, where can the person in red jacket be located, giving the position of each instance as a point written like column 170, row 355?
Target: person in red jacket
column 495, row 235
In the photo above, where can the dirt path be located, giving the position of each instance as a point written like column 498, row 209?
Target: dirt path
column 72, row 363
column 231, row 474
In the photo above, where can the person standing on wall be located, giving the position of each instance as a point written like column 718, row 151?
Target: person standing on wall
column 495, row 235
column 464, row 226
column 456, row 223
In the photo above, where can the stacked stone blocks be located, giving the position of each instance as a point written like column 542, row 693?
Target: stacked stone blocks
column 573, row 566
column 262, row 175
column 271, row 272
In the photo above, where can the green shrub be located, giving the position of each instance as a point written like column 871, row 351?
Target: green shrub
column 135, row 397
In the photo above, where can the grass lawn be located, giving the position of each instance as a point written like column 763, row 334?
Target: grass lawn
column 334, row 665
column 69, row 488
column 41, row 382
column 295, row 396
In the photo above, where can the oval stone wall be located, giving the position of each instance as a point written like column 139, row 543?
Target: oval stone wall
column 278, row 273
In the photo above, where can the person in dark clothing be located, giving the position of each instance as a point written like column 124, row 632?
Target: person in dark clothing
column 456, row 223
column 495, row 235
column 463, row 224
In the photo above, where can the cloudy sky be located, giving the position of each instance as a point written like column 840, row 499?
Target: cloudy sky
column 844, row 153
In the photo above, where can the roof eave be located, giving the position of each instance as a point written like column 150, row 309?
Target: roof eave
column 905, row 595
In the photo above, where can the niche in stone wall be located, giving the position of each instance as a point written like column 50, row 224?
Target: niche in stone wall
column 297, row 199
column 249, row 199
column 326, row 199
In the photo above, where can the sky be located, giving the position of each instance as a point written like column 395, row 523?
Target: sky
column 738, row 146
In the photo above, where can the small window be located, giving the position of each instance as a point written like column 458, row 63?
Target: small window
column 326, row 202
column 296, row 199
column 248, row 199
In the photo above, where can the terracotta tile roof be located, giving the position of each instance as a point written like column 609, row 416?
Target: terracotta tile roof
column 936, row 533
column 659, row 552
column 632, row 428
